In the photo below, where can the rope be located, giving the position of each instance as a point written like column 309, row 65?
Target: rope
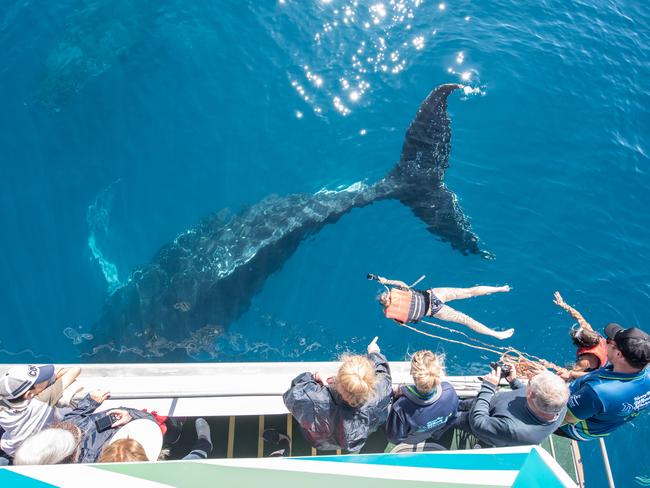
column 450, row 340
column 526, row 365
column 501, row 348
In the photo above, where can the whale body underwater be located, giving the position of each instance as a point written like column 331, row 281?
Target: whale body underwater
column 205, row 279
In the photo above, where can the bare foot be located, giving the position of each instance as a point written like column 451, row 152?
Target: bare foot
column 504, row 334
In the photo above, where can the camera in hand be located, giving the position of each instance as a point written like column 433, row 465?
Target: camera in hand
column 105, row 422
column 506, row 369
column 371, row 276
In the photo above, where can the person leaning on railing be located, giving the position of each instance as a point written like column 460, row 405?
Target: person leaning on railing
column 424, row 407
column 82, row 423
column 340, row 412
column 526, row 415
column 28, row 398
column 605, row 399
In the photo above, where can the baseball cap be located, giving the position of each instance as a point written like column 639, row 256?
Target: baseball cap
column 633, row 343
column 146, row 432
column 19, row 379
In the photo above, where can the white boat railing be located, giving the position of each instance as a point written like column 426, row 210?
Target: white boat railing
column 215, row 389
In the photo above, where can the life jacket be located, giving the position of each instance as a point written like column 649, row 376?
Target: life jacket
column 599, row 350
column 405, row 305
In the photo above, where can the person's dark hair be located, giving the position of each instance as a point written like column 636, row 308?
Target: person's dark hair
column 635, row 362
column 582, row 337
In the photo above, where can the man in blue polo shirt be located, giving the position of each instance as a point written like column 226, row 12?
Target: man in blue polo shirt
column 605, row 399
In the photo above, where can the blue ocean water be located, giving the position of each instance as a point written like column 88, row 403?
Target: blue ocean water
column 125, row 123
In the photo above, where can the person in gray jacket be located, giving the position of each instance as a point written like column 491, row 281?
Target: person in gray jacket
column 527, row 414
column 340, row 412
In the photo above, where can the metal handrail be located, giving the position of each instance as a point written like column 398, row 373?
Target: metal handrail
column 608, row 468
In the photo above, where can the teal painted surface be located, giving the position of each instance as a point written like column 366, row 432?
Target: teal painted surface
column 535, row 473
column 463, row 461
column 10, row 479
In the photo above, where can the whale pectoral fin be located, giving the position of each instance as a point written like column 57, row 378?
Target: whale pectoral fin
column 439, row 210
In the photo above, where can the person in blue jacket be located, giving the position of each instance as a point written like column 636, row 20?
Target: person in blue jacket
column 424, row 407
column 605, row 399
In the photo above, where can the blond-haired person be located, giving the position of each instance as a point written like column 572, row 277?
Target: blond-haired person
column 341, row 411
column 424, row 407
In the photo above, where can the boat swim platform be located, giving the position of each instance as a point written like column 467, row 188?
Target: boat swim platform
column 518, row 467
column 241, row 400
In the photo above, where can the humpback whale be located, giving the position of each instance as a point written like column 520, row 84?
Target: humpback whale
column 209, row 273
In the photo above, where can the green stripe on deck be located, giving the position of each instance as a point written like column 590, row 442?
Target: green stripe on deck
column 188, row 474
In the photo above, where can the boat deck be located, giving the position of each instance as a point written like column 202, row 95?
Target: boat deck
column 241, row 400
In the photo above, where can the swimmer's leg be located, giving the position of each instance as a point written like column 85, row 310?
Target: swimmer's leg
column 449, row 314
column 449, row 294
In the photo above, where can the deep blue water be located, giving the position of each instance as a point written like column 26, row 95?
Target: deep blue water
column 124, row 123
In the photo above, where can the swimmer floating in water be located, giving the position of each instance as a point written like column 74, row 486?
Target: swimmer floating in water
column 404, row 304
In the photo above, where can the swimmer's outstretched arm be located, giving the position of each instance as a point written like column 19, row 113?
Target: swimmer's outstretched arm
column 559, row 301
column 384, row 281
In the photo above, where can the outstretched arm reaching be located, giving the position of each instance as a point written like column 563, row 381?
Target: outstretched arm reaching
column 559, row 301
column 384, row 281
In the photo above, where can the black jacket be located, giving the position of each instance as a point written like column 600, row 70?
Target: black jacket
column 84, row 417
column 327, row 422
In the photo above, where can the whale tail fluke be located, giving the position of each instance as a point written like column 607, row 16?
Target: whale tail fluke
column 418, row 176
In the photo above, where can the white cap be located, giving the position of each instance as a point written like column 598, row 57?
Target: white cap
column 19, row 379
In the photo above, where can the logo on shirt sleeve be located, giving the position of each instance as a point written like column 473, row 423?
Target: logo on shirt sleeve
column 573, row 400
column 642, row 401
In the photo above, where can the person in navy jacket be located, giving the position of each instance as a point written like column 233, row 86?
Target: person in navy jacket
column 424, row 407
